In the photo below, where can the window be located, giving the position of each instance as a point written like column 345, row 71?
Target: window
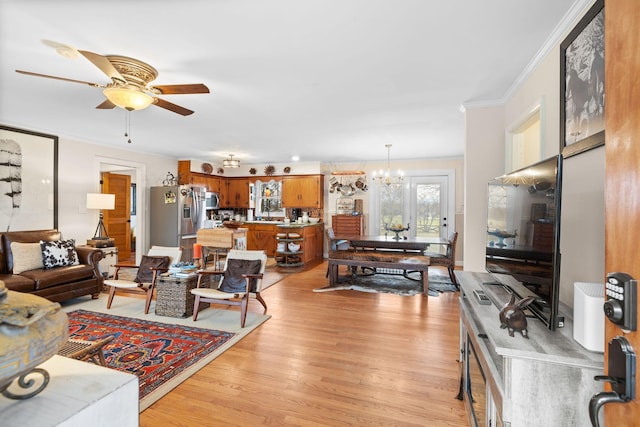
column 391, row 204
column 268, row 199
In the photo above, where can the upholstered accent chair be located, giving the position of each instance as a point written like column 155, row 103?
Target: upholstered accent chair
column 156, row 262
column 240, row 279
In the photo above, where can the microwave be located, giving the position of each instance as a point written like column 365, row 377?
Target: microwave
column 212, row 200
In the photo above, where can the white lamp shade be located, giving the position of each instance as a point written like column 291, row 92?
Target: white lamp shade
column 101, row 201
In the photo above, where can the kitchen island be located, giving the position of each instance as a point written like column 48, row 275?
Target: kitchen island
column 263, row 235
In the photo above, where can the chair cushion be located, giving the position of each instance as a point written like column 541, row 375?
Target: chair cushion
column 145, row 274
column 26, row 256
column 59, row 253
column 233, row 281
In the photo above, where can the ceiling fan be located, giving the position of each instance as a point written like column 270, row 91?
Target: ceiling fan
column 130, row 86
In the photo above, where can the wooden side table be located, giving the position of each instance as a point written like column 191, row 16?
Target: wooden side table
column 173, row 296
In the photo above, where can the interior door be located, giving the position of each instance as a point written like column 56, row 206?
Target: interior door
column 118, row 220
column 622, row 189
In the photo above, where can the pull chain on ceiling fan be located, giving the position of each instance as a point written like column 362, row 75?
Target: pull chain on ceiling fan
column 130, row 86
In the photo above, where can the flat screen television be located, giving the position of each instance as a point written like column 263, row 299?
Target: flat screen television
column 523, row 233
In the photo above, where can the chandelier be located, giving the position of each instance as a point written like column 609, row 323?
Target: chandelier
column 231, row 162
column 385, row 177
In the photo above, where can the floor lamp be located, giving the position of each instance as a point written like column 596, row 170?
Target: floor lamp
column 101, row 202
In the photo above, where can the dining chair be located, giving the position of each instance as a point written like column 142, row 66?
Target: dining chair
column 156, row 262
column 335, row 244
column 240, row 279
column 448, row 259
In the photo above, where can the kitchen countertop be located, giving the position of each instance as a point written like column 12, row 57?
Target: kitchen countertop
column 282, row 224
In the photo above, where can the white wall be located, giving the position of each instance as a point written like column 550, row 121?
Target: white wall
column 582, row 222
column 79, row 174
column 484, row 159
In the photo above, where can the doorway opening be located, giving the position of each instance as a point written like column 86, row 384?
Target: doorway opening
column 125, row 225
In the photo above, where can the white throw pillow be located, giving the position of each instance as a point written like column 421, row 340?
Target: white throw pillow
column 26, row 256
column 59, row 253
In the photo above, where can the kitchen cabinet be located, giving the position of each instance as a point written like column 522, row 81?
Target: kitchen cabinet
column 313, row 242
column 286, row 236
column 261, row 237
column 235, row 193
column 303, row 191
column 347, row 225
column 309, row 237
column 188, row 177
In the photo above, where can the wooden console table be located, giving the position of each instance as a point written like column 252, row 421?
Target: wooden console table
column 546, row 380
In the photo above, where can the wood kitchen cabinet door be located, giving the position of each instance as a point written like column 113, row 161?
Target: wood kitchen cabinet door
column 303, row 191
column 262, row 237
column 214, row 184
column 313, row 242
column 237, row 193
column 310, row 239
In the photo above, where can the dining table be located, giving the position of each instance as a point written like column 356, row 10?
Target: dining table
column 389, row 242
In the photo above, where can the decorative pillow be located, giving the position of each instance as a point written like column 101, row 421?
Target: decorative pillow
column 59, row 253
column 26, row 256
column 145, row 272
column 233, row 281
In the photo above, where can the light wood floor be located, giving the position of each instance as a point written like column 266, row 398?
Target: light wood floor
column 341, row 358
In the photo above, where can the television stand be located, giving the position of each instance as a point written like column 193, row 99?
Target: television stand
column 546, row 380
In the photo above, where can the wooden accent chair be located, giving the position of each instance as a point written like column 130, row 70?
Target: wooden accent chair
column 448, row 259
column 90, row 351
column 157, row 261
column 240, row 279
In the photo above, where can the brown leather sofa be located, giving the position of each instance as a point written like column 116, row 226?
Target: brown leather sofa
column 56, row 284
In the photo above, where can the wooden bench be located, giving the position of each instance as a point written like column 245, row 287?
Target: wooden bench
column 380, row 259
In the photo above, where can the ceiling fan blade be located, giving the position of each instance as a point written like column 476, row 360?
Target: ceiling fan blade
column 171, row 107
column 29, row 73
column 106, row 105
column 181, row 89
column 103, row 64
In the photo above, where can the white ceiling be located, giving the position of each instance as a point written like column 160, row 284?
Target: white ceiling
column 328, row 80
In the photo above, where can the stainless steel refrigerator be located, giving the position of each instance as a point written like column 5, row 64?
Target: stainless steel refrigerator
column 176, row 215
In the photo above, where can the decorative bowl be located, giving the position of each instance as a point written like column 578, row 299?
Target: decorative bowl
column 232, row 224
column 293, row 247
column 314, row 220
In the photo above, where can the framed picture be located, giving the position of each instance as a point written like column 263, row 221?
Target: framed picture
column 582, row 84
column 28, row 180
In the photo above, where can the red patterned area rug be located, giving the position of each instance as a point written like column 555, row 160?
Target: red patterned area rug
column 161, row 355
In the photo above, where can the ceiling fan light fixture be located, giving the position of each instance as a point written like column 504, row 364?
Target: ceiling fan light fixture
column 128, row 99
column 231, row 162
